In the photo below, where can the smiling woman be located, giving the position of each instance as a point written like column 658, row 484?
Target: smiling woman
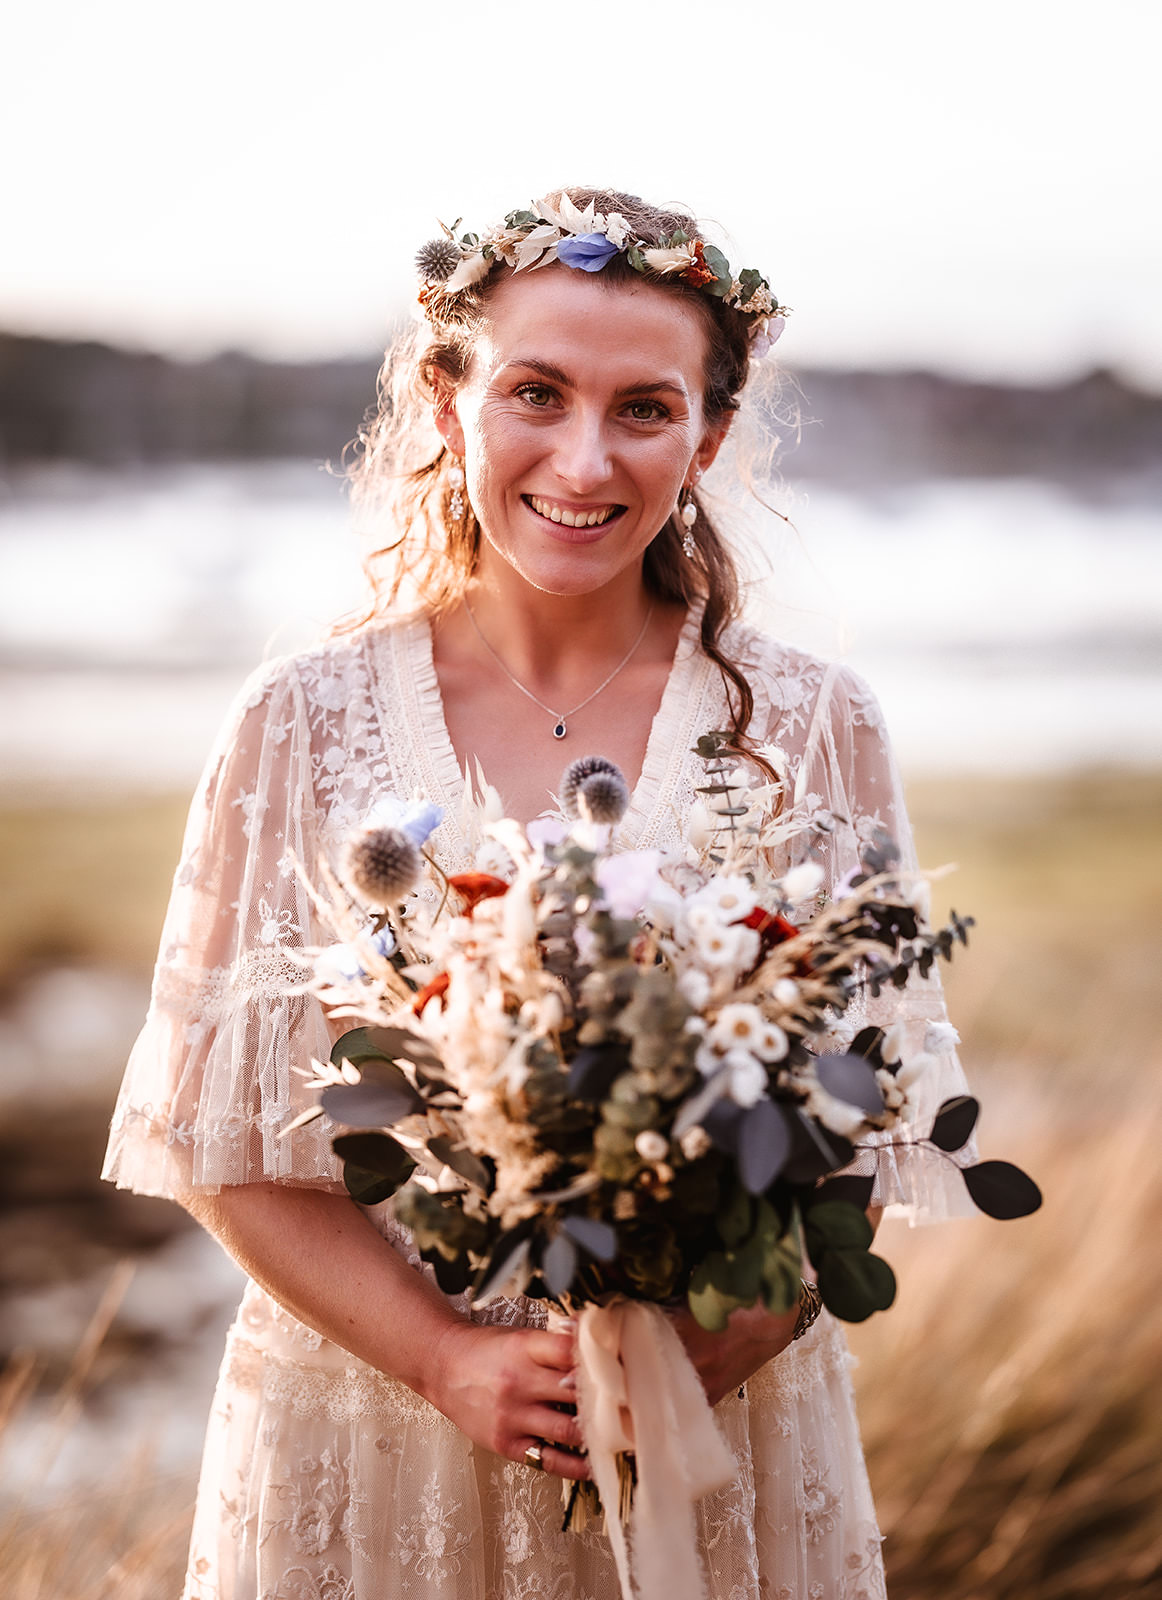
column 550, row 574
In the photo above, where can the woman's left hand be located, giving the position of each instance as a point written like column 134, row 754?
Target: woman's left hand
column 724, row 1361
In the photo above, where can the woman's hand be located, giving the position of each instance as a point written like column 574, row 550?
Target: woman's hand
column 725, row 1360
column 505, row 1387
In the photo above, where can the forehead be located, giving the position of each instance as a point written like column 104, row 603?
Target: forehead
column 577, row 321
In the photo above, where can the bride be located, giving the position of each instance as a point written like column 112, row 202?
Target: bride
column 551, row 583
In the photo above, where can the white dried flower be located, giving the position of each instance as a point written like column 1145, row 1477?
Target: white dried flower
column 748, row 1078
column 940, row 1036
column 651, row 1145
column 664, row 262
column 702, row 826
column 694, row 987
column 786, row 992
column 723, row 946
column 835, row 1114
column 737, row 1027
column 802, row 882
column 731, row 897
column 772, row 1044
column 471, row 270
column 695, row 1142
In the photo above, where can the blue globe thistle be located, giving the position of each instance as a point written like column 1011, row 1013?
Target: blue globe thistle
column 593, row 788
column 383, row 864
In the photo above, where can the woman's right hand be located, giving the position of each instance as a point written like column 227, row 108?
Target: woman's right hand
column 504, row 1388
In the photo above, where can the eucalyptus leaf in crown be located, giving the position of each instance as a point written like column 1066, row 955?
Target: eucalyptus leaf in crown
column 585, row 1072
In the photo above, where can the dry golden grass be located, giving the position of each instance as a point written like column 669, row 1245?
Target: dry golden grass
column 1010, row 1399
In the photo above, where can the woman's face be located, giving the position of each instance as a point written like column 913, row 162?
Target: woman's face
column 579, row 420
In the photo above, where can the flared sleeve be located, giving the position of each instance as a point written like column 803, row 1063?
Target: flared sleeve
column 217, row 1071
column 848, row 776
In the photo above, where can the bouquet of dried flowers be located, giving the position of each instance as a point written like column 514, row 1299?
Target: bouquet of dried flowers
column 593, row 1073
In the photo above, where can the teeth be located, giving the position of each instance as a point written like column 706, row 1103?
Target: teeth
column 571, row 519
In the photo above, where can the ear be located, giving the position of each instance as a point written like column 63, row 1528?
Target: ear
column 445, row 417
column 712, row 441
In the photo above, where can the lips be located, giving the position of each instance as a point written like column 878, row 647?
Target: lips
column 569, row 516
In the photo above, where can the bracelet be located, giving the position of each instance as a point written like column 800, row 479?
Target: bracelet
column 810, row 1305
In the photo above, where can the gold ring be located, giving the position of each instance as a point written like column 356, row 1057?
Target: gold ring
column 535, row 1458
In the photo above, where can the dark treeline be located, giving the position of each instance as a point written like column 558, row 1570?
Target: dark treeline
column 90, row 402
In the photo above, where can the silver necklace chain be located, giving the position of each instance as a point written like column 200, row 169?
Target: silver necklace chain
column 560, row 718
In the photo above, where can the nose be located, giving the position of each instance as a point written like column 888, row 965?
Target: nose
column 584, row 459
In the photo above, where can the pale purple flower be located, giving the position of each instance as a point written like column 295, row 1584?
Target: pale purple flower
column 627, row 880
column 587, row 251
column 546, row 831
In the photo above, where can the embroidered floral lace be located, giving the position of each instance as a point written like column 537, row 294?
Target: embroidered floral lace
column 323, row 1479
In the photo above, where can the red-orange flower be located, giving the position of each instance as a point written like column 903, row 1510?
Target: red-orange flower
column 431, row 991
column 473, row 887
column 698, row 273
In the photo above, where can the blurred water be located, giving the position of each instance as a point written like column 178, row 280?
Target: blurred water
column 1005, row 625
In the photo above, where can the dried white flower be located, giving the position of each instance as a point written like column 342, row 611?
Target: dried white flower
column 664, row 262
column 940, row 1036
column 802, row 882
column 737, row 1027
column 729, row 897
column 773, row 1043
column 471, row 270
column 748, row 1078
column 694, row 987
column 722, row 946
column 694, row 1143
column 651, row 1145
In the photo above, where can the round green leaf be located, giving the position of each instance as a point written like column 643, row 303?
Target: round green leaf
column 1001, row 1190
column 854, row 1283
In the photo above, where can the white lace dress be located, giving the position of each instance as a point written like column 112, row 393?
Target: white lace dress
column 324, row 1479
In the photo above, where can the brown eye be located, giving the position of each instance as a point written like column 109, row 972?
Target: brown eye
column 536, row 394
column 646, row 411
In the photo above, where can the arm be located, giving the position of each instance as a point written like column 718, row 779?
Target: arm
column 319, row 1256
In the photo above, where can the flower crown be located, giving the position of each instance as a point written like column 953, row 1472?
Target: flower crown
column 555, row 229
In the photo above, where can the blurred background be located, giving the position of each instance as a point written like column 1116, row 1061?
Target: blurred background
column 211, row 218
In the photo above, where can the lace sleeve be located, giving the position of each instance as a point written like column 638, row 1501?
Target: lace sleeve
column 212, row 1080
column 848, row 769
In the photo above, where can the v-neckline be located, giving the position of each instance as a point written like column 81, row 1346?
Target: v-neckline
column 662, row 752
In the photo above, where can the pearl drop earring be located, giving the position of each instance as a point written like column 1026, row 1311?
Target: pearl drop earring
column 456, row 483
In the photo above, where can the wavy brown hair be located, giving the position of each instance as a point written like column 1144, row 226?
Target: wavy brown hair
column 399, row 476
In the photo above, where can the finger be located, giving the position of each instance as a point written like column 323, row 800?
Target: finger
column 561, row 1463
column 554, row 1350
column 564, row 1464
column 559, row 1428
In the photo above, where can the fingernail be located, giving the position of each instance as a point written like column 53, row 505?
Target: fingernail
column 568, row 1383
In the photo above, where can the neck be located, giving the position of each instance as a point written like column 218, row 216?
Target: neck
column 558, row 637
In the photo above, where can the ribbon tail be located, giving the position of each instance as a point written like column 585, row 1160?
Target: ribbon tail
column 637, row 1390
column 602, row 1412
column 681, row 1456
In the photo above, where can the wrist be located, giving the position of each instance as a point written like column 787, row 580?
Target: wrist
column 444, row 1358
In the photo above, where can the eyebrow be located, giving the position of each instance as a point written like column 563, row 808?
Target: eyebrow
column 554, row 374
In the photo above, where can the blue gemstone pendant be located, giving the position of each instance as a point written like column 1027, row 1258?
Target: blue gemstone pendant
column 560, row 730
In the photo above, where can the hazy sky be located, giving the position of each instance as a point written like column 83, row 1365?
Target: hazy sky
column 975, row 186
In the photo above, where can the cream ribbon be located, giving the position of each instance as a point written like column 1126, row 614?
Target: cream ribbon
column 637, row 1390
